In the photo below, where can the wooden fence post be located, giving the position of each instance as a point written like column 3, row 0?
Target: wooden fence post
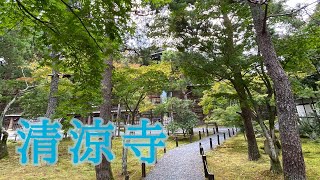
column 201, row 149
column 218, row 139
column 205, row 168
column 207, row 132
column 224, row 136
column 199, row 135
column 176, row 139
column 143, row 166
column 156, row 155
column 210, row 177
column 229, row 133
column 232, row 131
column 210, row 143
column 204, row 160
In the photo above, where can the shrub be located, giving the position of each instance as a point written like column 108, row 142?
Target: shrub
column 310, row 127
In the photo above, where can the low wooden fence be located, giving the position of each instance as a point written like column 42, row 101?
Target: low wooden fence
column 207, row 174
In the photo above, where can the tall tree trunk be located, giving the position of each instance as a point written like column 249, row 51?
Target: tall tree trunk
column 6, row 109
column 271, row 109
column 103, row 170
column 127, row 121
column 3, row 143
column 161, row 118
column 275, row 164
column 246, row 114
column 118, row 118
column 293, row 162
column 125, row 160
column 269, row 144
column 133, row 116
column 272, row 117
column 53, row 99
column 238, row 83
column 3, row 133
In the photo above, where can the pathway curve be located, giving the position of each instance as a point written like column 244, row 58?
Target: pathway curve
column 184, row 162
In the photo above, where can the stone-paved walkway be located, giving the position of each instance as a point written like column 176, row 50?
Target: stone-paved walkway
column 184, row 162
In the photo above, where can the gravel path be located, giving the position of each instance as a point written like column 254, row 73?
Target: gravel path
column 184, row 162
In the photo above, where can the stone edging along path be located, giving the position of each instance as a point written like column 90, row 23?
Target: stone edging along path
column 185, row 162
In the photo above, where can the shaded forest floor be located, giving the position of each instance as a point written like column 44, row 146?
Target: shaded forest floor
column 229, row 161
column 10, row 167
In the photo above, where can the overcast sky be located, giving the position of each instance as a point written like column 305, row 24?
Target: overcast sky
column 305, row 13
column 293, row 3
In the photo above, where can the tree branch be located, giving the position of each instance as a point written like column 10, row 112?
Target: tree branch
column 258, row 1
column 9, row 30
column 139, row 101
column 25, row 10
column 127, row 104
column 46, row 24
column 11, row 102
column 294, row 11
column 82, row 23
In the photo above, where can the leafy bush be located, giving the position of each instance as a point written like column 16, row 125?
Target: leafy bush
column 183, row 117
column 226, row 116
column 172, row 126
column 310, row 127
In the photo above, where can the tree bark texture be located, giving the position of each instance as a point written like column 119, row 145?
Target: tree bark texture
column 119, row 118
column 6, row 109
column 3, row 143
column 253, row 151
column 124, row 161
column 53, row 99
column 103, row 170
column 275, row 164
column 293, row 162
column 238, row 83
column 272, row 112
column 246, row 114
column 133, row 117
column 3, row 134
column 269, row 145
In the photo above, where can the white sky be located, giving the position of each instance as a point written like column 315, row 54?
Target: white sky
column 309, row 9
column 143, row 40
column 305, row 12
column 293, row 3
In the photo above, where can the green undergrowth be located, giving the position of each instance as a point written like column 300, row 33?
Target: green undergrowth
column 230, row 161
column 10, row 167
